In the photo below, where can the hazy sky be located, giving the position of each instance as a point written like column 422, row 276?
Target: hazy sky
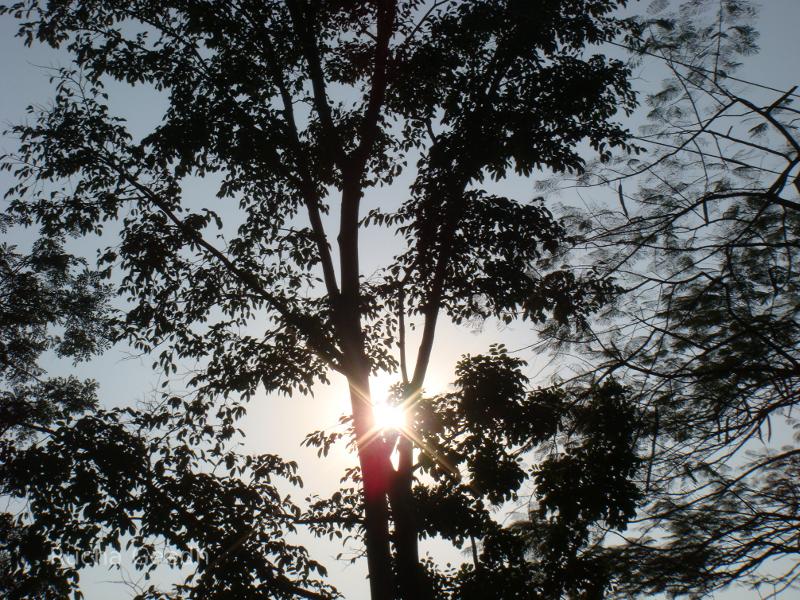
column 272, row 423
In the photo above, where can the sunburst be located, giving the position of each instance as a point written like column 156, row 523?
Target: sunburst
column 388, row 416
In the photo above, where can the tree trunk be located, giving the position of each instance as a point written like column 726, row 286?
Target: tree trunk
column 373, row 454
column 412, row 582
column 373, row 451
column 376, row 470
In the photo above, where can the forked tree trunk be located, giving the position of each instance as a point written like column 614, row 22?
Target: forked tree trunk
column 376, row 468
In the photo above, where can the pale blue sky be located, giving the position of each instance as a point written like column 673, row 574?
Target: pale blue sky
column 273, row 424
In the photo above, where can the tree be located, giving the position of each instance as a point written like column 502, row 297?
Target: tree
column 305, row 111
column 44, row 290
column 705, row 328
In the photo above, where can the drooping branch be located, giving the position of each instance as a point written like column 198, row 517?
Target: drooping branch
column 318, row 345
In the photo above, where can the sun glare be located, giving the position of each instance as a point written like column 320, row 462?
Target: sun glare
column 387, row 417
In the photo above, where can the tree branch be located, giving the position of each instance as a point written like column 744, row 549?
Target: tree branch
column 320, row 347
column 303, row 26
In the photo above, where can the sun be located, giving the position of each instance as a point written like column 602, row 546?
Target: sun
column 387, row 416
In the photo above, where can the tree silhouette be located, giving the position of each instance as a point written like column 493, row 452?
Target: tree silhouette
column 304, row 111
column 50, row 303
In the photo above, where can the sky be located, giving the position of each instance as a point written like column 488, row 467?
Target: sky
column 271, row 423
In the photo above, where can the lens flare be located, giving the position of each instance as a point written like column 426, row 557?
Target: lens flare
column 388, row 417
